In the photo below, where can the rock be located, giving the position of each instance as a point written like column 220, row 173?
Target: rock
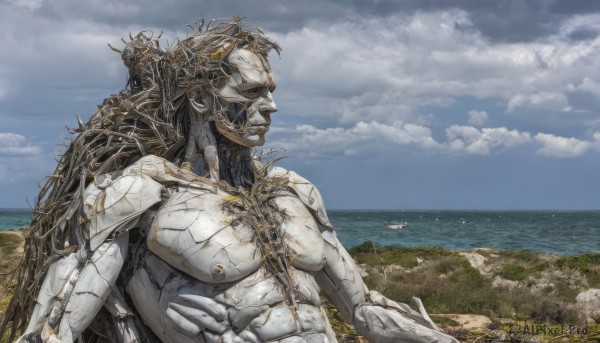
column 477, row 261
column 486, row 250
column 501, row 282
column 470, row 322
column 393, row 268
column 361, row 270
column 588, row 303
column 540, row 286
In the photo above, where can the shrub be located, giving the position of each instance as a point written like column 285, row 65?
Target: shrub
column 587, row 264
column 513, row 271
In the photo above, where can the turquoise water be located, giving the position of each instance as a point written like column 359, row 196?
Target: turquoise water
column 11, row 219
column 558, row 232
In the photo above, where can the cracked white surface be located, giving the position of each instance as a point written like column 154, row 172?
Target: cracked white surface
column 203, row 277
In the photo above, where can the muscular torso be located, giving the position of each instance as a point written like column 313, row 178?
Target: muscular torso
column 202, row 257
column 208, row 265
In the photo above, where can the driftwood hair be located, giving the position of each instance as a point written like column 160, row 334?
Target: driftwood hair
column 149, row 117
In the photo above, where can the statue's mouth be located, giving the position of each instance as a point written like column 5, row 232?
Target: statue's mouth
column 257, row 129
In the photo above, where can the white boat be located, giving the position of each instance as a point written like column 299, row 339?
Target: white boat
column 395, row 226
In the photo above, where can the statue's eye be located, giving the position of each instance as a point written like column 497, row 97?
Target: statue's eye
column 252, row 92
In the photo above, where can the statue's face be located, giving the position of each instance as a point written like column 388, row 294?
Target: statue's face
column 247, row 94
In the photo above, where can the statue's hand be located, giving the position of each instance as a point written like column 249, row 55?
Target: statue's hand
column 178, row 308
column 191, row 314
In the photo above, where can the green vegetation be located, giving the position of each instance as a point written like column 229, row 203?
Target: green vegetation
column 513, row 271
column 447, row 285
column 371, row 255
column 518, row 286
column 518, row 265
column 344, row 331
column 524, row 256
column 587, row 264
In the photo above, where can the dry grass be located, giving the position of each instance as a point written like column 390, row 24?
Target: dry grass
column 11, row 243
column 534, row 288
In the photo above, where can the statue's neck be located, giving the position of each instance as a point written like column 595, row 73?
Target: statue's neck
column 235, row 163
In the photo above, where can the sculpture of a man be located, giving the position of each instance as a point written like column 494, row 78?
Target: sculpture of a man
column 159, row 225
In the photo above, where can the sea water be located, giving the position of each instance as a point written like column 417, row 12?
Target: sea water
column 557, row 232
column 12, row 219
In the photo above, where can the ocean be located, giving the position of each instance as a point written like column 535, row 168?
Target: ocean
column 556, row 232
column 12, row 218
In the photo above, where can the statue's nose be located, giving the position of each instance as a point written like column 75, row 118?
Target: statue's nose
column 268, row 106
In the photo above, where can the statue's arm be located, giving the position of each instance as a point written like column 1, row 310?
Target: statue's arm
column 78, row 285
column 375, row 317
column 73, row 292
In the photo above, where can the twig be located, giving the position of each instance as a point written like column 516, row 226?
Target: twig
column 382, row 264
column 483, row 336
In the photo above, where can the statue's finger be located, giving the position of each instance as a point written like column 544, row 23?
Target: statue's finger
column 181, row 323
column 198, row 317
column 205, row 304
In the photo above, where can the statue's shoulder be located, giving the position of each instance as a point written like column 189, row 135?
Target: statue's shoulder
column 115, row 201
column 306, row 192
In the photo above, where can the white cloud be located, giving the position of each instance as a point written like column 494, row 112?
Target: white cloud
column 541, row 101
column 588, row 85
column 470, row 140
column 29, row 4
column 477, row 118
column 372, row 79
column 578, row 23
column 56, row 59
column 556, row 146
column 362, row 138
column 382, row 107
column 373, row 137
column 391, row 68
column 14, row 144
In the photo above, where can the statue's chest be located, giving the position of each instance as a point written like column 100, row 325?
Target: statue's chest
column 194, row 233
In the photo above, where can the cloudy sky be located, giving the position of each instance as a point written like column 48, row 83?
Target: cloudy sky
column 382, row 104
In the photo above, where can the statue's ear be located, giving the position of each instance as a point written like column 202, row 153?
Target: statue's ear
column 200, row 100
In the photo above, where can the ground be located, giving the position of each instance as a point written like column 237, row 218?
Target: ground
column 11, row 251
column 491, row 296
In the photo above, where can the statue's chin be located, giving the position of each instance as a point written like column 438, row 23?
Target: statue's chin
column 254, row 140
column 246, row 139
column 250, row 141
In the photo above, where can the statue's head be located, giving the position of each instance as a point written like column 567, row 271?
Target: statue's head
column 220, row 75
column 245, row 98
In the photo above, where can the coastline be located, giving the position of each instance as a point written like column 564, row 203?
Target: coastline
column 561, row 232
